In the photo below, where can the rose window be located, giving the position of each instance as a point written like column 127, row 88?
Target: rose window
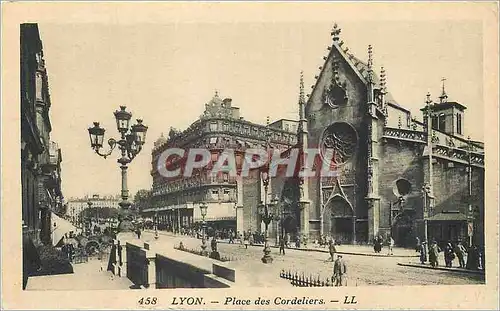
column 340, row 139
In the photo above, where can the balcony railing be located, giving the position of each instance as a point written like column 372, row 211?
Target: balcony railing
column 405, row 134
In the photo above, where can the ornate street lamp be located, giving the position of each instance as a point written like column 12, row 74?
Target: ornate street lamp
column 266, row 215
column 132, row 138
column 203, row 210
column 426, row 191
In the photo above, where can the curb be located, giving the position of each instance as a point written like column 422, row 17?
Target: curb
column 315, row 250
column 348, row 253
column 456, row 270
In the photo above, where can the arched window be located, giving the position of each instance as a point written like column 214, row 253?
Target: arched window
column 459, row 123
column 442, row 122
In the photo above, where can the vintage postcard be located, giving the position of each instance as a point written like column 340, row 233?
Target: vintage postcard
column 268, row 155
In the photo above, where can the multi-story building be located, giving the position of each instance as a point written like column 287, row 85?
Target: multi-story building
column 40, row 157
column 175, row 201
column 77, row 206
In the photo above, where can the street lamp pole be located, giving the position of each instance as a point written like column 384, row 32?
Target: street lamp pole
column 132, row 138
column 203, row 210
column 426, row 191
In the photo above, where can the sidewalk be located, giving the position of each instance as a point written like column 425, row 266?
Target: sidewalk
column 86, row 276
column 442, row 268
column 360, row 250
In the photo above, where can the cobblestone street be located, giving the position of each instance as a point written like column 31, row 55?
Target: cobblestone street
column 362, row 270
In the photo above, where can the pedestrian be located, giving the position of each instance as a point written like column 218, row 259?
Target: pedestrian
column 282, row 245
column 417, row 244
column 240, row 237
column 423, row 252
column 390, row 243
column 304, row 241
column 449, row 254
column 246, row 242
column 332, row 250
column 138, row 232
column 251, row 239
column 434, row 254
column 213, row 244
column 297, row 241
column 472, row 258
column 287, row 240
column 340, row 272
column 460, row 251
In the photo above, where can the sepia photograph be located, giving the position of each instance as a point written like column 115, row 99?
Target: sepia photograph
column 261, row 154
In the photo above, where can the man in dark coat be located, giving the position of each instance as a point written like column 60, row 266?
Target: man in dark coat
column 340, row 272
column 449, row 255
column 332, row 250
column 282, row 245
column 423, row 252
column 213, row 244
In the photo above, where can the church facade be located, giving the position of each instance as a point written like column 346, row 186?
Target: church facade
column 396, row 176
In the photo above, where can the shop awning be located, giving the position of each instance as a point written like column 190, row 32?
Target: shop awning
column 448, row 217
column 60, row 227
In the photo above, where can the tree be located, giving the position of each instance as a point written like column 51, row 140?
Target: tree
column 142, row 200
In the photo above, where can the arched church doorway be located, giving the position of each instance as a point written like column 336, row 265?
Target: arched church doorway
column 290, row 225
column 341, row 221
column 402, row 230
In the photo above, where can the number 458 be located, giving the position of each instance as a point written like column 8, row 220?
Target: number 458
column 148, row 301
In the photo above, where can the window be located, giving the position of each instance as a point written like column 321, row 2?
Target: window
column 225, row 177
column 215, row 191
column 213, row 126
column 442, row 122
column 434, row 123
column 213, row 140
column 287, row 127
column 459, row 123
column 225, row 127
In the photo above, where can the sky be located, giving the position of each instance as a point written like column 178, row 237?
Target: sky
column 165, row 73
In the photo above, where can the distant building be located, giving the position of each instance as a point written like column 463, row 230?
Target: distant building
column 176, row 201
column 78, row 205
column 40, row 157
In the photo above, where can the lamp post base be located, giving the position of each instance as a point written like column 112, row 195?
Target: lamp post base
column 204, row 251
column 267, row 255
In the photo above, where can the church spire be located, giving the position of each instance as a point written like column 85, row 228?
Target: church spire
column 383, row 81
column 302, row 126
column 444, row 97
column 370, row 76
column 302, row 99
column 370, row 64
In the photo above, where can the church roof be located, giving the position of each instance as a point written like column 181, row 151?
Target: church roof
column 359, row 67
column 445, row 105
